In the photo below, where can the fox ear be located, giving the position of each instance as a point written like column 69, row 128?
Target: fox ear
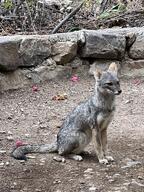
column 97, row 74
column 113, row 68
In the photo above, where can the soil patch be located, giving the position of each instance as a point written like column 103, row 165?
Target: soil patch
column 34, row 117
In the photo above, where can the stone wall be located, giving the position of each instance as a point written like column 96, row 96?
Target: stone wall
column 37, row 58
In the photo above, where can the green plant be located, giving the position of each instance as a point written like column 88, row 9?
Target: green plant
column 87, row 3
column 8, row 4
column 104, row 15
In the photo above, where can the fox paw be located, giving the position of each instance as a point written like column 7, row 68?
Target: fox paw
column 110, row 158
column 76, row 157
column 103, row 161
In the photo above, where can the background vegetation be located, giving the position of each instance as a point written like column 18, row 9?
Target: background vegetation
column 42, row 16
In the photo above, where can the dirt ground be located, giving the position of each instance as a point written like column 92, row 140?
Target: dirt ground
column 34, row 117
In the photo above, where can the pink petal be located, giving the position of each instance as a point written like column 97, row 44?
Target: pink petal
column 19, row 143
column 74, row 78
column 137, row 81
column 34, row 88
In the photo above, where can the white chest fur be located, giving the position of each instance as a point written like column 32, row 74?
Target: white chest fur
column 103, row 120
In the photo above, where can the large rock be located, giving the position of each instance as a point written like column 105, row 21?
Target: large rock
column 134, row 64
column 24, row 77
column 76, row 36
column 137, row 49
column 31, row 50
column 123, row 31
column 103, row 45
column 45, row 73
column 34, row 50
column 64, row 52
column 13, row 80
column 9, row 57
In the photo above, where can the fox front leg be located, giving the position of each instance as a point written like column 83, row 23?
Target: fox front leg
column 104, row 145
column 98, row 146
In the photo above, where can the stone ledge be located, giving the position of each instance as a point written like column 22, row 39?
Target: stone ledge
column 29, row 59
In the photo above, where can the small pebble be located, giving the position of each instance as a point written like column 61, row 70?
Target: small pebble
column 140, row 177
column 1, row 164
column 26, row 170
column 116, row 175
column 57, row 181
column 7, row 163
column 43, row 160
column 89, row 170
column 111, row 180
column 2, row 132
column 22, row 161
column 92, row 188
column 25, row 189
column 21, row 109
column 27, row 135
column 59, row 159
column 87, row 176
column 9, row 117
column 31, row 157
column 10, row 138
column 128, row 101
column 82, row 182
column 38, row 190
column 2, row 152
column 9, row 133
column 41, row 164
column 43, row 126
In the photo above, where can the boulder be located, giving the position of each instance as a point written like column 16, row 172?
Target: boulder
column 103, row 45
column 130, row 39
column 50, row 63
column 64, row 52
column 137, row 49
column 45, row 73
column 13, row 80
column 76, row 63
column 34, row 50
column 134, row 64
column 76, row 36
column 123, row 31
column 9, row 57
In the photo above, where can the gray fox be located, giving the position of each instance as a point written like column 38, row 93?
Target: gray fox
column 88, row 121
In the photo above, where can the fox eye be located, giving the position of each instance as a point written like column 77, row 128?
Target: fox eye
column 109, row 83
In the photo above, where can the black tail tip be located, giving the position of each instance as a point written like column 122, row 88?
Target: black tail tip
column 21, row 157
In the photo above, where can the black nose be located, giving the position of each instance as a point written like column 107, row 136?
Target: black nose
column 119, row 91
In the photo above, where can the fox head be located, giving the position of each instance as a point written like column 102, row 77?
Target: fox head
column 107, row 82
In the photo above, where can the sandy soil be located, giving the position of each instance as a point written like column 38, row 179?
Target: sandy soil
column 34, row 117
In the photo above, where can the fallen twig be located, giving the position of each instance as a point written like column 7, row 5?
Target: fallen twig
column 29, row 12
column 17, row 7
column 103, row 6
column 67, row 17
